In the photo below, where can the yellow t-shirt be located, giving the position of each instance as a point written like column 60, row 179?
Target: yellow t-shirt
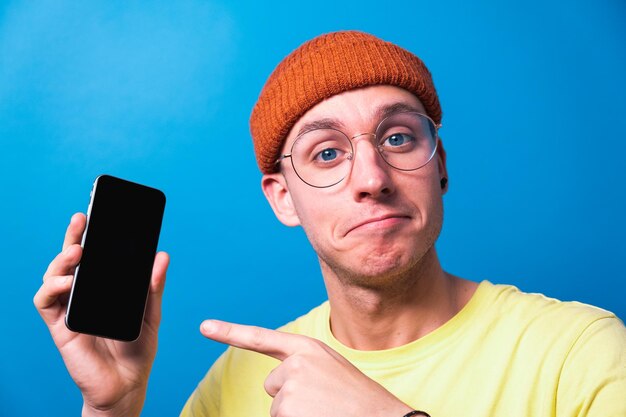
column 506, row 353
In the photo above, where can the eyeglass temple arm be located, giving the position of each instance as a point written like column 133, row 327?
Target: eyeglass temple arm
column 280, row 158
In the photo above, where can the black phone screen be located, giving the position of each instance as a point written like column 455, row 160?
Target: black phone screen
column 112, row 281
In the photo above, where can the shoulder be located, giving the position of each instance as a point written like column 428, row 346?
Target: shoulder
column 543, row 328
column 509, row 303
column 574, row 349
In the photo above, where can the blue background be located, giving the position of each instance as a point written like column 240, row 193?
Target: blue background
column 533, row 93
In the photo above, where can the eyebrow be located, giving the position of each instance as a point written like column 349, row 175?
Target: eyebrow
column 326, row 123
column 380, row 113
column 383, row 112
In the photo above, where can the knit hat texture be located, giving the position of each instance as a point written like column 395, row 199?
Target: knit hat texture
column 323, row 67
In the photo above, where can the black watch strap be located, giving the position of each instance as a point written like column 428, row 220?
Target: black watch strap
column 417, row 413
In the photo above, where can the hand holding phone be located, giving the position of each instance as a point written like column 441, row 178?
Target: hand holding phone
column 111, row 375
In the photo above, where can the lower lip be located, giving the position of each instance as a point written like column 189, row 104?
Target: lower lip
column 380, row 225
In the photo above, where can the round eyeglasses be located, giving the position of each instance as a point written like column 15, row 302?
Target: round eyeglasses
column 323, row 157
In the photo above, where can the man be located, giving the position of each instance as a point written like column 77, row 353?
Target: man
column 345, row 133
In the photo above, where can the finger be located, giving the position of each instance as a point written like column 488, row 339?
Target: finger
column 46, row 298
column 157, row 286
column 273, row 343
column 276, row 404
column 274, row 381
column 74, row 232
column 65, row 262
column 159, row 270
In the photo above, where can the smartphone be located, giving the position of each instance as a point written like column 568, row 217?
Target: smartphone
column 112, row 281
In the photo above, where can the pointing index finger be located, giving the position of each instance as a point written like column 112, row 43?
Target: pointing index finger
column 273, row 343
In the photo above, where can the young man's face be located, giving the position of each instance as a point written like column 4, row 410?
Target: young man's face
column 378, row 221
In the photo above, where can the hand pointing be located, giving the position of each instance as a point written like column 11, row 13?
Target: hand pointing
column 312, row 380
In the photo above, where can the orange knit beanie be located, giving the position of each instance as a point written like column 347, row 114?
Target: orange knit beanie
column 322, row 67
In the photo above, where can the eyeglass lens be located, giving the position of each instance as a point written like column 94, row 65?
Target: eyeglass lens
column 323, row 157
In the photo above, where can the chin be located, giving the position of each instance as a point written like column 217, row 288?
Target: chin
column 385, row 263
column 378, row 270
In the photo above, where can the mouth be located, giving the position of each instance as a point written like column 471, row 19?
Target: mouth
column 379, row 223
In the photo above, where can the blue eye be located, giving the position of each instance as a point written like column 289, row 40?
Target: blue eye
column 398, row 139
column 328, row 154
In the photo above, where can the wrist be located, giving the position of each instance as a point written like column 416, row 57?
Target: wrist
column 128, row 408
column 129, row 405
column 94, row 412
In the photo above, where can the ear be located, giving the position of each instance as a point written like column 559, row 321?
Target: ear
column 277, row 193
column 441, row 164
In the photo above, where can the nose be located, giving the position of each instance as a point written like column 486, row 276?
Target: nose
column 369, row 177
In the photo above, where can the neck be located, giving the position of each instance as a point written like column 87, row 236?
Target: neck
column 403, row 309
